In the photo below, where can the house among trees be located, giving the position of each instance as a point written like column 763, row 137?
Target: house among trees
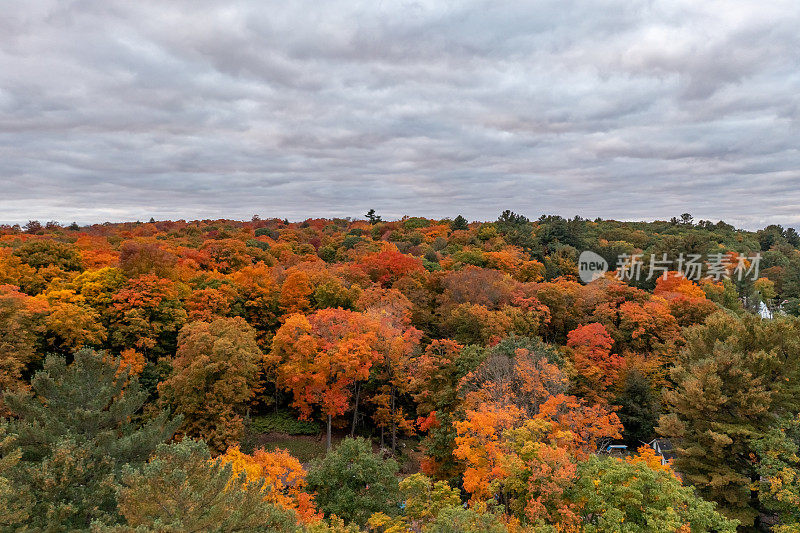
column 663, row 448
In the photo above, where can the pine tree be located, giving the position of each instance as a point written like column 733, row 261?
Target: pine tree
column 182, row 489
column 459, row 223
column 76, row 429
column 734, row 380
column 13, row 505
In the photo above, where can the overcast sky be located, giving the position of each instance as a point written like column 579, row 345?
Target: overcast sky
column 627, row 109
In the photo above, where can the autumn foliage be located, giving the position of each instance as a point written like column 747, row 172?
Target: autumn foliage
column 468, row 350
column 283, row 478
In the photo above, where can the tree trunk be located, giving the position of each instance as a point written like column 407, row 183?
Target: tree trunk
column 394, row 426
column 355, row 412
column 329, row 432
column 755, row 501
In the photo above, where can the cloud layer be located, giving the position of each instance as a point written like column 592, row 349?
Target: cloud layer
column 627, row 109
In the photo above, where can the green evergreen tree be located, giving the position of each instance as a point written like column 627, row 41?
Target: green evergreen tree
column 459, row 223
column 639, row 409
column 517, row 230
column 76, row 429
column 735, row 378
column 13, row 505
column 182, row 489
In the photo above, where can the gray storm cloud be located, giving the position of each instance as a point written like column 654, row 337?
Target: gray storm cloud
column 625, row 109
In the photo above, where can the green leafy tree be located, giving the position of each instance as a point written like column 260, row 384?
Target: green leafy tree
column 80, row 424
column 435, row 379
column 629, row 496
column 351, row 482
column 44, row 253
column 182, row 489
column 460, row 520
column 791, row 280
column 779, row 473
column 21, row 326
column 733, row 379
column 424, row 499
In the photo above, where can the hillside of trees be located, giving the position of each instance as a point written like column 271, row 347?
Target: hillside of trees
column 419, row 375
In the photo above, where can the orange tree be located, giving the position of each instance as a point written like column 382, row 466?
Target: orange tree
column 320, row 357
column 21, row 324
column 595, row 370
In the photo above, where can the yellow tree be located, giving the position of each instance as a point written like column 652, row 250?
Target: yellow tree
column 284, row 477
column 215, row 374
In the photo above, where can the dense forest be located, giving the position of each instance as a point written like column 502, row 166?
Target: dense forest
column 392, row 376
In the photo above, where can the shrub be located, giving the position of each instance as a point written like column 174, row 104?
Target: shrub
column 283, row 422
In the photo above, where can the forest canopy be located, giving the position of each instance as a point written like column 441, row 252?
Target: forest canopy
column 411, row 375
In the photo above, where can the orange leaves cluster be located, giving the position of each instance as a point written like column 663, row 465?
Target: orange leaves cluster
column 538, row 378
column 206, row 304
column 674, row 285
column 20, row 325
column 578, row 426
column 322, row 355
column 596, row 370
column 96, row 252
column 524, row 378
column 687, row 300
column 646, row 455
column 388, row 266
column 133, row 361
column 495, row 441
column 541, row 470
column 296, row 293
column 284, row 478
column 479, row 444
